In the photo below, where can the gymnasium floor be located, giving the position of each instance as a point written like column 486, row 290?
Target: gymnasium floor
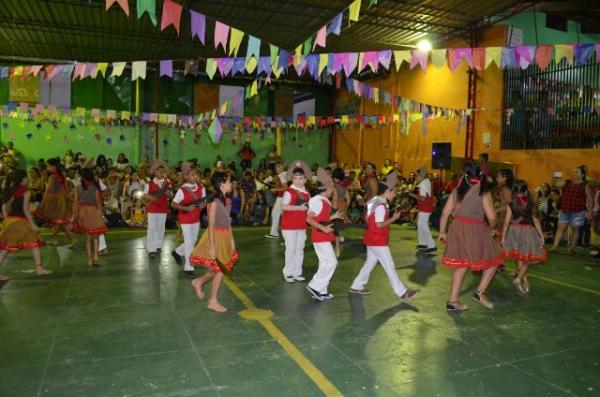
column 135, row 328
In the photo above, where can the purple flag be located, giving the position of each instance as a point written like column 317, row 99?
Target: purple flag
column 300, row 68
column 330, row 62
column 350, row 63
column 583, row 53
column 198, row 25
column 350, row 85
column 166, row 68
column 385, row 57
column 456, row 55
column 335, row 26
column 419, row 57
column 508, row 58
column 370, row 58
column 524, row 55
column 338, row 61
column 239, row 65
column 264, row 65
column 90, row 69
column 284, row 58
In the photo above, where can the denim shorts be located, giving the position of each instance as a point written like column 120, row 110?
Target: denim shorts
column 575, row 219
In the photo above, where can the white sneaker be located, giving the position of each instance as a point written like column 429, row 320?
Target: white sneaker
column 289, row 279
column 299, row 278
column 271, row 236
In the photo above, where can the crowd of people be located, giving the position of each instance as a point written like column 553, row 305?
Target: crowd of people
column 494, row 217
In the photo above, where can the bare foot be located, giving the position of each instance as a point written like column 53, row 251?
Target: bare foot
column 216, row 307
column 198, row 288
column 4, row 278
column 40, row 271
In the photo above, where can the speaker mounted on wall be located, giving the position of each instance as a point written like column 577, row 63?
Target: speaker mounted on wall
column 441, row 155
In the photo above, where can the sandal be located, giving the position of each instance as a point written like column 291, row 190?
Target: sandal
column 40, row 271
column 519, row 287
column 482, row 299
column 456, row 307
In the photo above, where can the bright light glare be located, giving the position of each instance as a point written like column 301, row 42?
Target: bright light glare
column 424, row 45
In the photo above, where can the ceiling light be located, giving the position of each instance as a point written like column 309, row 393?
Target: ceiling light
column 424, row 45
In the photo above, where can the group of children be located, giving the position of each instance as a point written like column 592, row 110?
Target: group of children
column 472, row 242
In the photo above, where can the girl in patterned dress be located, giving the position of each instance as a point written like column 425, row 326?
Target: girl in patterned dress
column 19, row 231
column 216, row 249
column 522, row 235
column 54, row 209
column 88, row 217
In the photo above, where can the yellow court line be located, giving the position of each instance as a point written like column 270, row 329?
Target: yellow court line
column 551, row 280
column 308, row 367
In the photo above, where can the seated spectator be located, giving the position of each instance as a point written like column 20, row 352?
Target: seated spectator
column 260, row 211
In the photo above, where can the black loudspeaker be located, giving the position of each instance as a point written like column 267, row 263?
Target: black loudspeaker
column 441, row 155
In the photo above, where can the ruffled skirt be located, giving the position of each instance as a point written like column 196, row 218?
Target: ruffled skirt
column 226, row 256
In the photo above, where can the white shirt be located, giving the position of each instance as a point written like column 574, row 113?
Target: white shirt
column 283, row 177
column 103, row 187
column 191, row 186
column 425, row 187
column 159, row 182
column 380, row 214
column 315, row 204
column 287, row 197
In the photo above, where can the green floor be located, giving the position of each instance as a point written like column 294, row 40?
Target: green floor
column 135, row 328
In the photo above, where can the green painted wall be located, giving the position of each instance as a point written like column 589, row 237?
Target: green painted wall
column 525, row 21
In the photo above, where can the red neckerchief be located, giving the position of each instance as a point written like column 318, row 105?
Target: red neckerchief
column 343, row 183
column 19, row 191
column 521, row 200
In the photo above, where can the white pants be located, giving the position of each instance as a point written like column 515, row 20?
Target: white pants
column 423, row 232
column 383, row 256
column 156, row 231
column 327, row 265
column 102, row 243
column 294, row 252
column 275, row 215
column 190, row 236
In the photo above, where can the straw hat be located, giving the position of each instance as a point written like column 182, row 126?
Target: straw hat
column 391, row 180
column 156, row 164
column 324, row 178
column 298, row 164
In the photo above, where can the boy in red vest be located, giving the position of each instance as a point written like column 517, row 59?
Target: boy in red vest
column 157, row 191
column 293, row 222
column 319, row 217
column 189, row 201
column 425, row 205
column 377, row 238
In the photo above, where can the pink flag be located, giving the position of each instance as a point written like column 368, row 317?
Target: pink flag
column 543, row 56
column 36, row 69
column 224, row 65
column 456, row 55
column 321, row 38
column 79, row 72
column 171, row 15
column 524, row 55
column 221, row 34
column 479, row 58
column 419, row 57
column 350, row 62
column 370, row 58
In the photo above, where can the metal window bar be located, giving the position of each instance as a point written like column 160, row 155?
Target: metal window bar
column 557, row 108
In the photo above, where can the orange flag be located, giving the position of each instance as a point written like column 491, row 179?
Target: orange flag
column 123, row 3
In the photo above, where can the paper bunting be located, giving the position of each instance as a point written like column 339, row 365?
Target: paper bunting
column 402, row 56
column 224, row 65
column 274, row 51
column 253, row 48
column 508, row 58
column 124, row 4
column 101, row 69
column 198, row 25
column 456, row 55
column 171, row 15
column 354, row 11
column 524, row 55
column 251, row 65
column 211, row 67
column 385, row 57
column 307, row 46
column 221, row 34
column 118, row 68
column 79, row 71
column 419, row 58
column 438, row 57
column 215, row 131
column 563, row 51
column 335, row 26
column 493, row 54
column 148, row 6
column 298, row 55
column 321, row 38
column 583, row 52
column 235, row 39
column 138, row 70
column 166, row 68
column 479, row 58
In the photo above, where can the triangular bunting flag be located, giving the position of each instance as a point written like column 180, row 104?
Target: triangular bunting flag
column 148, row 6
column 438, row 57
column 274, row 51
column 138, row 70
column 171, row 15
column 354, row 11
column 215, row 131
column 235, row 39
column 321, row 38
column 102, row 69
column 253, row 48
column 166, row 68
column 543, row 56
column 221, row 33
column 493, row 54
column 123, row 3
column 335, row 26
column 198, row 25
column 400, row 57
column 211, row 68
column 563, row 51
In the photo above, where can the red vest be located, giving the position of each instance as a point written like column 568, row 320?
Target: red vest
column 425, row 205
column 325, row 215
column 159, row 204
column 374, row 236
column 295, row 220
column 188, row 198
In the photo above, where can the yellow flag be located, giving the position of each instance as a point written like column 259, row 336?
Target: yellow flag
column 118, row 68
column 354, row 11
column 493, row 54
column 563, row 51
column 312, row 120
column 344, row 120
column 125, row 115
column 251, row 64
column 254, row 88
column 376, row 95
column 18, row 71
column 101, row 68
column 298, row 55
column 80, row 112
column 213, row 114
column 396, row 117
column 235, row 39
column 277, row 72
column 223, row 109
column 163, row 118
column 401, row 56
column 323, row 59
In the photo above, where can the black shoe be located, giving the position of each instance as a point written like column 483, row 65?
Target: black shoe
column 316, row 294
column 153, row 255
column 409, row 294
column 178, row 258
column 421, row 247
column 430, row 251
column 189, row 274
column 159, row 250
